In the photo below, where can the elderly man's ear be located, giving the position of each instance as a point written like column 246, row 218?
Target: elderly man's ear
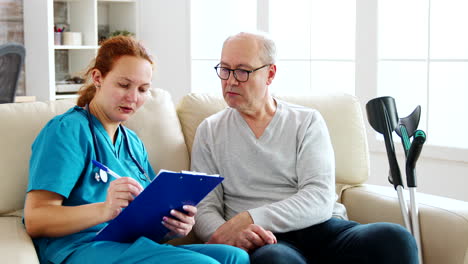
column 271, row 74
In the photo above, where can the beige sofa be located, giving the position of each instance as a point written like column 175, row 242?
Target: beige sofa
column 168, row 135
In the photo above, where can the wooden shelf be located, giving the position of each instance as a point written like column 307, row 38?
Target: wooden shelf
column 67, row 47
column 65, row 1
column 59, row 61
column 117, row 1
column 65, row 96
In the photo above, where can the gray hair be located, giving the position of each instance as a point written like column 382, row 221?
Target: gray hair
column 268, row 52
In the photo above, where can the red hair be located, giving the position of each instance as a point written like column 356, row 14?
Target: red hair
column 109, row 52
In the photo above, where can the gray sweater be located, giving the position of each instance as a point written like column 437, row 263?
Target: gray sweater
column 285, row 179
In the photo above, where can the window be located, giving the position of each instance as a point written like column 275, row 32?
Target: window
column 308, row 63
column 315, row 41
column 212, row 21
column 415, row 51
column 423, row 60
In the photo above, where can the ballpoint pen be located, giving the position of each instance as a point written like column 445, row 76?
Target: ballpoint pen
column 106, row 169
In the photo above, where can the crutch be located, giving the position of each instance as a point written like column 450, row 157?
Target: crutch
column 383, row 117
column 413, row 155
column 407, row 127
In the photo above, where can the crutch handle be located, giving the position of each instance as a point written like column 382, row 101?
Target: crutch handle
column 383, row 117
column 413, row 155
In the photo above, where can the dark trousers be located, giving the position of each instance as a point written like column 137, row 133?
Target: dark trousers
column 341, row 241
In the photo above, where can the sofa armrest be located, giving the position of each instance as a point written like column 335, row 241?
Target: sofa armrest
column 15, row 244
column 443, row 221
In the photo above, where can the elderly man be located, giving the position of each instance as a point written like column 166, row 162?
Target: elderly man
column 278, row 198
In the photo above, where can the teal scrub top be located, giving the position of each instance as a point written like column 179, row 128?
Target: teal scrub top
column 61, row 162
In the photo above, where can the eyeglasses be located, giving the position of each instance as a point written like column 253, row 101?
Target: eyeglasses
column 239, row 74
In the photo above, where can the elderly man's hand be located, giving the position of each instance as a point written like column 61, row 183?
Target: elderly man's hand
column 181, row 224
column 240, row 231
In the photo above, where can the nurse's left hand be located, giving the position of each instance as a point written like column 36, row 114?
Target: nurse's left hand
column 181, row 223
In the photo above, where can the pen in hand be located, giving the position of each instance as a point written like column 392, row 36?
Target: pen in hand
column 106, row 169
column 115, row 175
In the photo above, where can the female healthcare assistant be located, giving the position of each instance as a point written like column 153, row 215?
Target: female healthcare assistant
column 66, row 204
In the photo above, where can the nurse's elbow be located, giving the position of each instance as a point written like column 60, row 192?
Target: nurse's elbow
column 37, row 211
column 32, row 228
column 30, row 222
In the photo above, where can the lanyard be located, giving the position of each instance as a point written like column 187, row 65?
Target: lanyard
column 127, row 143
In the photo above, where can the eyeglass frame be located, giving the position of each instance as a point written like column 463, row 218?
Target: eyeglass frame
column 234, row 71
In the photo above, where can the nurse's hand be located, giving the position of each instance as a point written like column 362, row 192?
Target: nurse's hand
column 119, row 195
column 181, row 223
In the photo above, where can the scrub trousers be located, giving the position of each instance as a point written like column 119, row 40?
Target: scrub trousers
column 146, row 251
column 341, row 241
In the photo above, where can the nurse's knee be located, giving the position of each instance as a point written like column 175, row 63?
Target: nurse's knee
column 230, row 255
column 207, row 259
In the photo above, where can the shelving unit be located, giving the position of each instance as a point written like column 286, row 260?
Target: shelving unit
column 69, row 47
column 47, row 63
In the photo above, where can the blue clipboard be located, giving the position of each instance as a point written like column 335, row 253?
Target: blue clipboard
column 169, row 190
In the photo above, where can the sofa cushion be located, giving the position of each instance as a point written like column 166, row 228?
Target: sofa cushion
column 156, row 123
column 342, row 114
column 158, row 126
column 22, row 123
column 443, row 221
column 16, row 245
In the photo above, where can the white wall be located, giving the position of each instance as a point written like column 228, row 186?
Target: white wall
column 165, row 30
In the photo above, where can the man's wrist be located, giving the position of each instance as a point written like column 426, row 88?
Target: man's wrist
column 246, row 218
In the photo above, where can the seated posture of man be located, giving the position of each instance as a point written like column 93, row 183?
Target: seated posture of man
column 278, row 198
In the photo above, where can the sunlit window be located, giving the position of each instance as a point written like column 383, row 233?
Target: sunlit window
column 315, row 41
column 212, row 21
column 421, row 55
column 423, row 60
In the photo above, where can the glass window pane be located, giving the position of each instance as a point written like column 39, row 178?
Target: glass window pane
column 290, row 28
column 406, row 81
column 317, row 29
column 448, row 110
column 292, row 78
column 310, row 30
column 333, row 28
column 449, row 24
column 328, row 77
column 403, row 29
column 204, row 78
column 212, row 21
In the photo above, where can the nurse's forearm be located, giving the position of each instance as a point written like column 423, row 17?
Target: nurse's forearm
column 58, row 220
column 45, row 216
